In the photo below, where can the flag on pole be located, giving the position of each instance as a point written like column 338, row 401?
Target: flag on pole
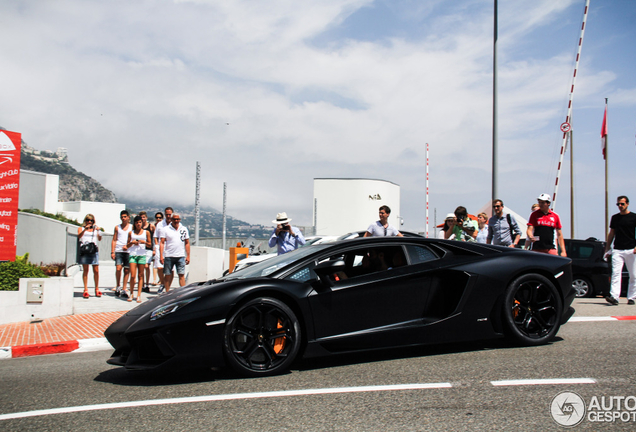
column 604, row 132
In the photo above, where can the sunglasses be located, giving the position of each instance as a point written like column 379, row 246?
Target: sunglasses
column 621, row 204
column 496, row 206
column 90, row 220
column 176, row 219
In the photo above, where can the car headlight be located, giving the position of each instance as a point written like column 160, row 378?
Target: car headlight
column 162, row 311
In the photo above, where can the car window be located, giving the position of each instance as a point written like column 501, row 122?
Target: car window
column 363, row 261
column 269, row 266
column 580, row 251
column 420, row 254
column 304, row 274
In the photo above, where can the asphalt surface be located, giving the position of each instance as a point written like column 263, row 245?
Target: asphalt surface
column 602, row 351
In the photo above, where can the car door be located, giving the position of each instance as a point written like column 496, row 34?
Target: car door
column 371, row 299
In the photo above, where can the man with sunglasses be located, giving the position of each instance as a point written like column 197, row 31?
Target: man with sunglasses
column 174, row 250
column 502, row 228
column 542, row 227
column 160, row 224
column 382, row 228
column 623, row 234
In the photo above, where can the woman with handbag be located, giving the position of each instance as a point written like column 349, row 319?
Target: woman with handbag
column 89, row 234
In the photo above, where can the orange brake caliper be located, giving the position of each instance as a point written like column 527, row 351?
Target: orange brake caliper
column 279, row 343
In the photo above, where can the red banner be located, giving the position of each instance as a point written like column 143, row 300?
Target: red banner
column 10, row 145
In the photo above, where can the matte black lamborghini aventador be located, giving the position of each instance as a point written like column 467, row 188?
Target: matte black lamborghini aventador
column 346, row 296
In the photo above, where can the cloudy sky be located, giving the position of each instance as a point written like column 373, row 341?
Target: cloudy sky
column 269, row 95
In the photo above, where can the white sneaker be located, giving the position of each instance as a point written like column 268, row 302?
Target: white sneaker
column 123, row 293
column 117, row 291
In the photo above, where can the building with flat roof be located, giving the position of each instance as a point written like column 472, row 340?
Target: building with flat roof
column 343, row 205
column 41, row 191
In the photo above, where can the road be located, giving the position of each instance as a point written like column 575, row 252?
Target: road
column 464, row 394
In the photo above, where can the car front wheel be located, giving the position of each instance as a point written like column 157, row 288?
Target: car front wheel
column 532, row 310
column 262, row 337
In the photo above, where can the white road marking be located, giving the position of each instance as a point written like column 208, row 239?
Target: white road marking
column 97, row 344
column 592, row 318
column 549, row 381
column 210, row 398
column 5, row 352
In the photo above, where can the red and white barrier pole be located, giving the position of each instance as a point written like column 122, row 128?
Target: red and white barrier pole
column 566, row 126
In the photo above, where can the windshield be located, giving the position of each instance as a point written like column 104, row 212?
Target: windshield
column 311, row 241
column 269, row 266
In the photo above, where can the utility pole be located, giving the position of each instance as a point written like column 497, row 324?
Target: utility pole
column 494, row 109
column 224, row 212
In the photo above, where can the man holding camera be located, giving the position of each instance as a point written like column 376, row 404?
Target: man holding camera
column 286, row 237
column 465, row 229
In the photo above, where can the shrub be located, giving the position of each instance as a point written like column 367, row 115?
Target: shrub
column 53, row 269
column 12, row 271
column 60, row 217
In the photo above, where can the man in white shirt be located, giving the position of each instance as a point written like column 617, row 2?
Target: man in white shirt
column 161, row 224
column 174, row 251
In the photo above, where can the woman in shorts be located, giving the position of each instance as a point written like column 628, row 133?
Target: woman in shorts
column 89, row 232
column 138, row 239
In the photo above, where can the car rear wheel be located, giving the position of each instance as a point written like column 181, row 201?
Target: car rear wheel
column 532, row 310
column 582, row 287
column 262, row 337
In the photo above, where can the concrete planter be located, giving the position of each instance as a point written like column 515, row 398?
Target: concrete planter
column 56, row 299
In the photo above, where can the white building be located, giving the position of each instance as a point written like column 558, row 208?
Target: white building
column 344, row 205
column 41, row 191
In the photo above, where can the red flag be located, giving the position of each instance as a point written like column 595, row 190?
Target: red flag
column 604, row 132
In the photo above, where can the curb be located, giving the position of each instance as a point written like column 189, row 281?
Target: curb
column 82, row 345
column 101, row 344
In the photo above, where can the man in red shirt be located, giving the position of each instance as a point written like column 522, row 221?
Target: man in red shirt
column 542, row 225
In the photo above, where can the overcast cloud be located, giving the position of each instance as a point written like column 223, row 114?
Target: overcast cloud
column 268, row 95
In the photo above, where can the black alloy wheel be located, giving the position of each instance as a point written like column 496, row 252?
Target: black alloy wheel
column 262, row 337
column 582, row 287
column 532, row 310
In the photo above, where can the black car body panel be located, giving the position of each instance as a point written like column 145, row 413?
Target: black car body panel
column 421, row 291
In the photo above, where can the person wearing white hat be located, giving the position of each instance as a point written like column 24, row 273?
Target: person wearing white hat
column 285, row 237
column 542, row 226
column 449, row 225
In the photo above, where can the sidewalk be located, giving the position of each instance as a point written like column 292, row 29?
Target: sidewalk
column 84, row 330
